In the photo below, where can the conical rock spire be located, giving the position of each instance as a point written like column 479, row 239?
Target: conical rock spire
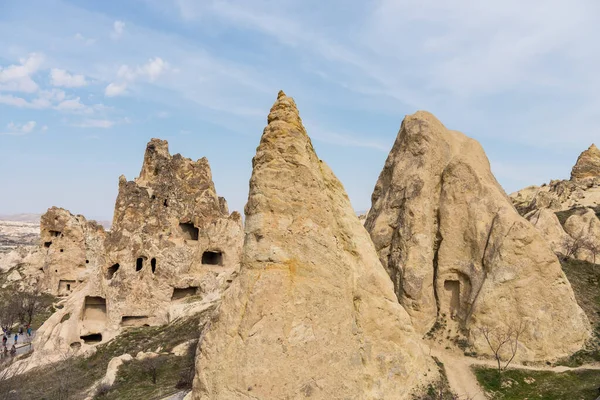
column 587, row 166
column 313, row 313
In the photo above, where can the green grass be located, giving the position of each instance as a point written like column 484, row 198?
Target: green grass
column 585, row 280
column 543, row 385
column 78, row 374
column 134, row 381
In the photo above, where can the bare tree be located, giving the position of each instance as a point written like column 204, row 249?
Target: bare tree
column 572, row 245
column 503, row 340
column 152, row 366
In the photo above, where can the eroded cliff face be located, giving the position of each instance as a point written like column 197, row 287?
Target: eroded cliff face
column 313, row 313
column 457, row 250
column 172, row 250
column 72, row 248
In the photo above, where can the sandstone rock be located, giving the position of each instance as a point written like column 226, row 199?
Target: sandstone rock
column 171, row 252
column 584, row 228
column 312, row 313
column 456, row 249
column 14, row 276
column 113, row 368
column 547, row 223
column 587, row 166
column 73, row 247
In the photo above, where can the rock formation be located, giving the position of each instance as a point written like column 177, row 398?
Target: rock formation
column 172, row 250
column 583, row 227
column 73, row 247
column 312, row 313
column 457, row 250
column 547, row 223
column 587, row 166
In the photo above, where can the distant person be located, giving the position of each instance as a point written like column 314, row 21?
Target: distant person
column 13, row 351
column 21, row 330
column 4, row 340
column 16, row 337
column 28, row 330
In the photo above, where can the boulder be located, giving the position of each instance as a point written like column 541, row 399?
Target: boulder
column 457, row 250
column 547, row 223
column 312, row 313
column 584, row 228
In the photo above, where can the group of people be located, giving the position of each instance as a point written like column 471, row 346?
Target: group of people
column 7, row 332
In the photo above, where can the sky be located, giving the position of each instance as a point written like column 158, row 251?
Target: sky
column 85, row 84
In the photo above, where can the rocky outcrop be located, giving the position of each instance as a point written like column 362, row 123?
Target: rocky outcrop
column 73, row 248
column 547, row 223
column 312, row 313
column 457, row 250
column 172, row 250
column 587, row 166
column 584, row 229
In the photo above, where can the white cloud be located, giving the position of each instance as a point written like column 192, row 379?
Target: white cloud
column 20, row 129
column 17, row 78
column 84, row 40
column 95, row 123
column 151, row 71
column 115, row 89
column 44, row 128
column 71, row 105
column 60, row 77
column 118, row 29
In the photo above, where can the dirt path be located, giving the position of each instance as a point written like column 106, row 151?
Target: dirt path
column 463, row 381
column 461, row 378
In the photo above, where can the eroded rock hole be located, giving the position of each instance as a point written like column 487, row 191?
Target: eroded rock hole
column 212, row 258
column 65, row 287
column 47, row 244
column 452, row 289
column 189, row 231
column 91, row 338
column 94, row 309
column 55, row 233
column 110, row 273
column 139, row 264
column 87, row 261
column 179, row 294
column 153, row 265
column 134, row 321
column 76, row 345
column 62, row 250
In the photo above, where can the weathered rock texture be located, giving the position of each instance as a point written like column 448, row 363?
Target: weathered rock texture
column 588, row 165
column 455, row 246
column 547, row 223
column 313, row 313
column 583, row 227
column 73, row 248
column 172, row 250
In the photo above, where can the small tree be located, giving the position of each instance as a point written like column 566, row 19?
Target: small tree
column 152, row 366
column 503, row 340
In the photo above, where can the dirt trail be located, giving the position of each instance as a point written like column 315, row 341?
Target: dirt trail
column 460, row 377
column 463, row 381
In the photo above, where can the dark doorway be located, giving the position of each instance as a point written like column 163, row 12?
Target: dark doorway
column 189, row 231
column 92, row 338
column 139, row 264
column 212, row 258
column 153, row 265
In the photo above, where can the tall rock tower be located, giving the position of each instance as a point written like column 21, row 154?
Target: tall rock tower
column 313, row 313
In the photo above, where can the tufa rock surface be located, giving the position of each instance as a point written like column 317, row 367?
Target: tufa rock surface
column 459, row 253
column 587, row 166
column 172, row 250
column 73, row 248
column 313, row 313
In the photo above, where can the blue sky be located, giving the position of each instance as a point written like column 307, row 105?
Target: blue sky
column 84, row 84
